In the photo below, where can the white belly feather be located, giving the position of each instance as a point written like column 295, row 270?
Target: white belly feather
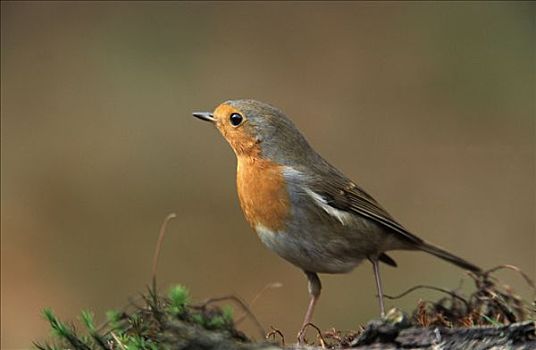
column 304, row 253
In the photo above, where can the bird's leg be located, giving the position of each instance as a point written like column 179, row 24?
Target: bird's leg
column 379, row 288
column 314, row 290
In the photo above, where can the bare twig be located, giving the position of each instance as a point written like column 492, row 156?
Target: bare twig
column 412, row 289
column 334, row 334
column 156, row 254
column 273, row 285
column 118, row 341
column 320, row 336
column 273, row 333
column 257, row 296
column 242, row 304
column 529, row 281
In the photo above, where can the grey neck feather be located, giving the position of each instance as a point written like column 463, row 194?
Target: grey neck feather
column 280, row 140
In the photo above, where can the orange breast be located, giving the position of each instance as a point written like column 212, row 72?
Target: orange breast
column 262, row 192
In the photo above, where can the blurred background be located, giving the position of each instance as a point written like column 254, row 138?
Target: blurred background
column 429, row 106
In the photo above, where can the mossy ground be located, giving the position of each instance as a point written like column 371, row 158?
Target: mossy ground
column 153, row 322
column 173, row 321
column 144, row 327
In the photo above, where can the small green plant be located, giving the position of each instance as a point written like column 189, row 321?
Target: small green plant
column 113, row 318
column 143, row 328
column 228, row 313
column 87, row 318
column 58, row 328
column 179, row 298
column 214, row 319
column 64, row 332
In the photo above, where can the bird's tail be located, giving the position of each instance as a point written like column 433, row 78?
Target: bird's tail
column 443, row 254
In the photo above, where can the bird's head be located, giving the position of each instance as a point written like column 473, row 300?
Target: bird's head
column 257, row 129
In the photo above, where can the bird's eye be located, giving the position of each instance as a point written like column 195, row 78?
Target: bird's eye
column 236, row 119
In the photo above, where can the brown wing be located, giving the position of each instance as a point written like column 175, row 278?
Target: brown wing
column 342, row 194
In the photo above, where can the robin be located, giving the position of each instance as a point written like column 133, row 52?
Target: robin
column 302, row 207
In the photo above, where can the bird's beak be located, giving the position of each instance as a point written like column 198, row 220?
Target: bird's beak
column 204, row 116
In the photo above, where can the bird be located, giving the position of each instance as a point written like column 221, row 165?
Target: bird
column 305, row 209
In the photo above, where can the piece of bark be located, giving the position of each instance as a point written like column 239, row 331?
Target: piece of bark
column 377, row 336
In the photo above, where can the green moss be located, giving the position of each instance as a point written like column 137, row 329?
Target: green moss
column 198, row 319
column 87, row 319
column 144, row 327
column 216, row 322
column 179, row 299
column 228, row 313
column 113, row 317
column 59, row 329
